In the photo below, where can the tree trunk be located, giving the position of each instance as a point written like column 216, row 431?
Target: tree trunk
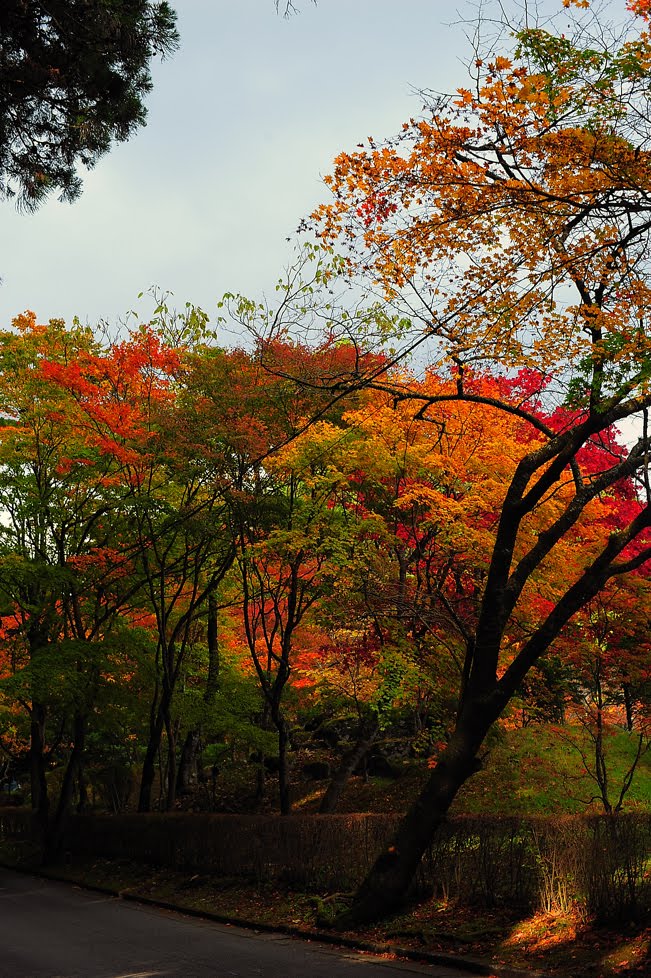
column 283, row 767
column 187, row 769
column 261, row 776
column 349, row 762
column 170, row 794
column 212, row 681
column 149, row 762
column 56, row 829
column 387, row 885
column 628, row 705
column 40, row 801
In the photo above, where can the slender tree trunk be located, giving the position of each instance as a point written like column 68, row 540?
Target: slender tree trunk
column 600, row 760
column 261, row 775
column 628, row 705
column 351, row 758
column 56, row 830
column 37, row 640
column 40, row 800
column 212, row 682
column 187, row 769
column 170, row 794
column 149, row 762
column 283, row 765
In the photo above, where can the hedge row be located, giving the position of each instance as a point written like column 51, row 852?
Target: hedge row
column 16, row 823
column 304, row 850
column 599, row 864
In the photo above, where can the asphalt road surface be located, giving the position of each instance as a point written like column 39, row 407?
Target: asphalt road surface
column 55, row 930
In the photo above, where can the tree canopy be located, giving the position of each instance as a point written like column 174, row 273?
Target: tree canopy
column 238, row 550
column 74, row 74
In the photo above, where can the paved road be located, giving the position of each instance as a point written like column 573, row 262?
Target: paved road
column 54, row 930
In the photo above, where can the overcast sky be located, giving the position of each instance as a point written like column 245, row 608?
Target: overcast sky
column 243, row 122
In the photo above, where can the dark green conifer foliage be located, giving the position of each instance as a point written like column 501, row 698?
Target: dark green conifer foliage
column 73, row 77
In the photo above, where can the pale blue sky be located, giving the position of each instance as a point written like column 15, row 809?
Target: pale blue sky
column 243, row 122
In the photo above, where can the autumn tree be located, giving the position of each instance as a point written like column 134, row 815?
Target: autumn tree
column 422, row 498
column 74, row 76
column 284, row 534
column 609, row 661
column 62, row 577
column 171, row 521
column 292, row 544
column 511, row 222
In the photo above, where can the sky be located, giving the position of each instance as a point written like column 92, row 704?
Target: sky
column 243, row 122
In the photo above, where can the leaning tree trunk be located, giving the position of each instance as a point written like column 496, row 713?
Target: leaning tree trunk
column 56, row 829
column 349, row 762
column 387, row 885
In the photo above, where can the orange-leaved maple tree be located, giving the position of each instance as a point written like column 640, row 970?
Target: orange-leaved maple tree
column 287, row 543
column 512, row 223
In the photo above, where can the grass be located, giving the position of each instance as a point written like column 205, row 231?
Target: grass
column 535, row 771
column 528, row 771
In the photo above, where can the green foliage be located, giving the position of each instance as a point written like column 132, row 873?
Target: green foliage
column 533, row 771
column 597, row 75
column 607, row 373
column 74, row 76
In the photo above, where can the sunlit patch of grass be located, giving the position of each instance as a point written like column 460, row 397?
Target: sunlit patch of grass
column 543, row 931
column 533, row 771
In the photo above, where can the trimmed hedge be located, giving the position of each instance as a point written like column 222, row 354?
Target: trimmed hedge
column 599, row 864
column 305, row 850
